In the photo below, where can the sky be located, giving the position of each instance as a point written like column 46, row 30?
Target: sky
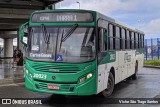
column 141, row 14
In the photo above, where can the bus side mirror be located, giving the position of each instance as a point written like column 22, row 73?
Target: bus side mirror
column 23, row 32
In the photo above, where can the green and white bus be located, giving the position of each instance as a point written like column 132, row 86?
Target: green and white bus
column 79, row 52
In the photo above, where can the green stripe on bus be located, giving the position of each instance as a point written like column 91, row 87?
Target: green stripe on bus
column 110, row 57
column 140, row 51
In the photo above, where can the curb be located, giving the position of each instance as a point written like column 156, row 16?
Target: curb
column 149, row 66
column 11, row 81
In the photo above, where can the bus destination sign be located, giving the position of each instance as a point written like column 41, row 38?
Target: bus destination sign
column 62, row 17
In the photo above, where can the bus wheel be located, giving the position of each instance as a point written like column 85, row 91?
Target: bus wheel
column 135, row 76
column 110, row 86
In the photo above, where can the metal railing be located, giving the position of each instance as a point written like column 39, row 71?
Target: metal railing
column 152, row 49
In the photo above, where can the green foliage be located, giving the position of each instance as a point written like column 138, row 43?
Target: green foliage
column 152, row 62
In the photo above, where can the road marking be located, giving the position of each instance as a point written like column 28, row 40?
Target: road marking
column 6, row 85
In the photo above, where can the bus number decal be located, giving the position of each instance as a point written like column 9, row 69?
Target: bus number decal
column 112, row 56
column 40, row 76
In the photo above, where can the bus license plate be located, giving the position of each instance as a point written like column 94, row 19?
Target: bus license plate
column 53, row 87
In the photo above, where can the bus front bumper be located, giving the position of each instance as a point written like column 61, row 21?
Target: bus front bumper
column 85, row 88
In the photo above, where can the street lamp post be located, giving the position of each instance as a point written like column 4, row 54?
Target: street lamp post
column 78, row 3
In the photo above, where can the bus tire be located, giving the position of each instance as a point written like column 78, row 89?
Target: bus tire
column 110, row 86
column 135, row 76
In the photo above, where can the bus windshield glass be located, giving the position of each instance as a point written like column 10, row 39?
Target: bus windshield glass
column 62, row 44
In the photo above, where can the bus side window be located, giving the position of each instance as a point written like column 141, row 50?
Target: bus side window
column 99, row 39
column 117, row 38
column 102, row 40
column 102, row 44
column 105, row 40
column 139, row 44
column 143, row 41
column 123, row 38
column 139, row 41
column 110, row 37
column 136, row 40
column 128, row 44
column 132, row 40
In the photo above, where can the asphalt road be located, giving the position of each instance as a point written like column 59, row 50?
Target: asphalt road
column 147, row 86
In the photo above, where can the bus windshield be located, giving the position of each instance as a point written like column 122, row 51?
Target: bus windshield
column 62, row 44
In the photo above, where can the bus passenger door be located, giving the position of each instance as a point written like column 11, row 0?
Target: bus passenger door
column 101, row 66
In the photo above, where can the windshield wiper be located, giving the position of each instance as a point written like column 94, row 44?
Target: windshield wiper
column 61, row 40
column 68, row 34
column 46, row 36
column 31, row 34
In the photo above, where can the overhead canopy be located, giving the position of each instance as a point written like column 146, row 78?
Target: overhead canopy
column 27, row 4
column 15, row 12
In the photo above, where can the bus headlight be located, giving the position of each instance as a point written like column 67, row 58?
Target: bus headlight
column 26, row 71
column 89, row 75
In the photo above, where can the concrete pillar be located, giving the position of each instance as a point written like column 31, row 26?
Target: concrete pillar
column 19, row 44
column 8, row 49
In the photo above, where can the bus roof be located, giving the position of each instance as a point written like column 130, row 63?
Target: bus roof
column 99, row 15
column 118, row 23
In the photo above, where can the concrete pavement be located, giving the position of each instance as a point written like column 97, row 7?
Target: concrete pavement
column 147, row 86
column 9, row 74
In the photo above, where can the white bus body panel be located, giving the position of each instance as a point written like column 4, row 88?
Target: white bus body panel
column 124, row 67
column 101, row 73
